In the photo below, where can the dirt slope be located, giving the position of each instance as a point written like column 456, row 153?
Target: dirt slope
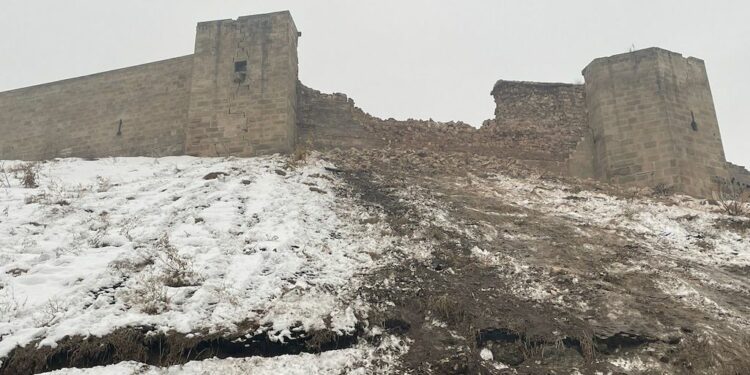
column 509, row 271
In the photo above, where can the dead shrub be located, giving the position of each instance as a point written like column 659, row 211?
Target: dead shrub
column 300, row 153
column 178, row 269
column 9, row 304
column 57, row 194
column 47, row 315
column 734, row 201
column 149, row 295
column 4, row 178
column 28, row 173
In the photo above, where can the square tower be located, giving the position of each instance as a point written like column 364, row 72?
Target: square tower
column 653, row 121
column 244, row 87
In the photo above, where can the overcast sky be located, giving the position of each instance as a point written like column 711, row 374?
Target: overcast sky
column 399, row 58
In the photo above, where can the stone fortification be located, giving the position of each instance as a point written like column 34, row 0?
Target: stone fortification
column 653, row 121
column 235, row 96
column 135, row 111
column 644, row 117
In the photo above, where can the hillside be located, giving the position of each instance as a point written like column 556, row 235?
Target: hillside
column 362, row 262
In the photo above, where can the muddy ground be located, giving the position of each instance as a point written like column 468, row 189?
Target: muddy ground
column 465, row 315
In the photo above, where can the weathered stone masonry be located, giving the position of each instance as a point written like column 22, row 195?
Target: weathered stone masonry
column 243, row 95
column 135, row 111
column 235, row 96
column 644, row 117
column 653, row 121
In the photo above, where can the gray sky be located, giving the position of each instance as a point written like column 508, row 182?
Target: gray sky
column 407, row 58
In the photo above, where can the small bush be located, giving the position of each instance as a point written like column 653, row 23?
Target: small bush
column 178, row 269
column 28, row 173
column 9, row 304
column 733, row 201
column 4, row 178
column 149, row 295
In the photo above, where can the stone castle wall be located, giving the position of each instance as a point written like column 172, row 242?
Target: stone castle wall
column 243, row 96
column 81, row 117
column 542, row 121
column 653, row 121
column 235, row 96
column 645, row 117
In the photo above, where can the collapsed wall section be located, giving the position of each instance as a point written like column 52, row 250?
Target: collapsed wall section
column 134, row 111
column 539, row 121
column 327, row 121
column 739, row 177
column 546, row 140
column 653, row 121
column 244, row 87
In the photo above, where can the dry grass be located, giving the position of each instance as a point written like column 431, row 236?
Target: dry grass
column 318, row 339
column 300, row 154
column 586, row 340
column 131, row 266
column 158, row 268
column 28, row 173
column 446, row 308
column 55, row 193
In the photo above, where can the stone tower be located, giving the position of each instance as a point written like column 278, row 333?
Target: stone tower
column 244, row 86
column 653, row 121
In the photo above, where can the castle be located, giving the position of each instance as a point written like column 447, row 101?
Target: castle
column 645, row 117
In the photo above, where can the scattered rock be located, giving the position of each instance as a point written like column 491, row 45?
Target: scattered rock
column 17, row 271
column 313, row 188
column 280, row 172
column 486, row 354
column 371, row 220
column 215, row 175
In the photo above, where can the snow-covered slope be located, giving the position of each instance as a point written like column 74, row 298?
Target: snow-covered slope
column 124, row 242
column 419, row 262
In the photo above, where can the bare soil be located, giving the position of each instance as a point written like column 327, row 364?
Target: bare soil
column 450, row 306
